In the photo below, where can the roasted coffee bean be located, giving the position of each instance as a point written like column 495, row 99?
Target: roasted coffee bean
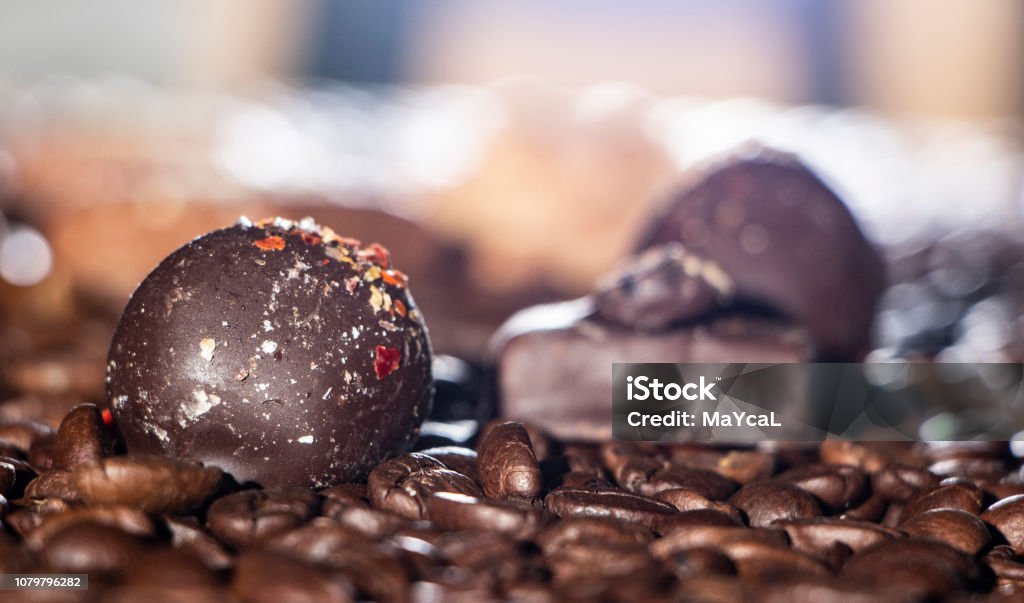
column 872, row 509
column 14, row 487
column 1007, row 518
column 844, row 452
column 592, row 529
column 402, row 484
column 124, row 519
column 758, row 561
column 151, row 483
column 189, row 537
column 900, row 482
column 713, row 589
column 689, row 500
column 615, row 455
column 458, row 459
column 585, row 480
column 373, row 568
column 637, row 472
column 246, row 518
column 372, row 523
column 87, row 547
column 21, row 434
column 131, row 593
column 698, row 561
column 265, row 577
column 1004, row 563
column 168, row 568
column 584, row 458
column 40, row 455
column 81, row 438
column 54, row 484
column 702, row 481
column 818, row 533
column 14, row 558
column 582, row 560
column 460, row 512
column 959, row 529
column 698, row 517
column 966, row 449
column 715, row 537
column 837, row 487
column 577, row 502
column 338, row 498
column 961, row 495
column 821, row 589
column 744, row 467
column 924, row 568
column 769, row 501
column 507, row 463
column 7, row 477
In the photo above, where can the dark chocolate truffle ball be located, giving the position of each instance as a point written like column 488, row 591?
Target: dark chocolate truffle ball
column 278, row 351
column 766, row 229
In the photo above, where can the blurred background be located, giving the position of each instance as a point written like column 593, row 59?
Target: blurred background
column 507, row 153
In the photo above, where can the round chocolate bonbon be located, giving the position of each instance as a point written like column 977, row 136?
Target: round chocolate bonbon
column 279, row 351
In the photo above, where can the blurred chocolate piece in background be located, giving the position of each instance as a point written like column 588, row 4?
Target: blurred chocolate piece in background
column 769, row 228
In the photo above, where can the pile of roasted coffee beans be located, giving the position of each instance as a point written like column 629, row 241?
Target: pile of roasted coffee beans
column 521, row 517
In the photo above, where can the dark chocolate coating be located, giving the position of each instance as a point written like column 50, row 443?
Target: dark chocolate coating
column 784, row 240
column 279, row 352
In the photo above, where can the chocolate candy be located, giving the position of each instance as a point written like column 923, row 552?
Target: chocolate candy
column 765, row 230
column 279, row 351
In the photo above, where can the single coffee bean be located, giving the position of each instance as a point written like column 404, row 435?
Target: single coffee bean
column 55, row 484
column 1004, row 563
column 577, row 502
column 828, row 589
column 458, row 459
column 460, row 512
column 21, row 434
column 959, row 529
column 81, row 438
column 900, row 482
column 924, row 568
column 758, row 561
column 508, row 465
column 90, row 547
column 592, row 529
column 769, row 501
column 189, row 537
column 698, row 517
column 1007, row 518
column 402, row 484
column 967, row 449
column 153, row 484
column 715, row 537
column 637, row 472
column 818, row 533
column 698, row 561
column 961, row 495
column 872, row 509
column 40, row 454
column 706, row 483
column 543, row 446
column 23, row 473
column 581, row 560
column 372, row 523
column 169, row 568
column 246, row 518
column 615, row 455
column 744, row 467
column 266, row 577
column 838, row 487
column 714, row 589
column 125, row 519
column 845, row 452
column 689, row 500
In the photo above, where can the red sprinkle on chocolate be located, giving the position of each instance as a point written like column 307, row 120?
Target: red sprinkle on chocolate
column 270, row 243
column 376, row 253
column 310, row 239
column 324, row 262
column 107, row 416
column 386, row 361
column 400, row 307
column 394, row 277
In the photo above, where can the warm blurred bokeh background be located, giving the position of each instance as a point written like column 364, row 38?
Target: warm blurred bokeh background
column 507, row 152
